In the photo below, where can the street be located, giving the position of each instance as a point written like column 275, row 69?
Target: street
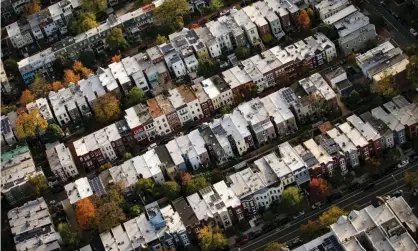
column 400, row 34
column 362, row 198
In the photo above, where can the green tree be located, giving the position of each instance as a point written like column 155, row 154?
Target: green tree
column 275, row 246
column 88, row 59
column 40, row 87
column 411, row 50
column 37, row 185
column 216, row 5
column 115, row 39
column 11, row 67
column 327, row 30
column 171, row 13
column 54, row 132
column 84, row 22
column 134, row 210
column 267, row 38
column 161, row 39
column 115, row 195
column 310, row 13
column 207, row 68
column 171, row 190
column 196, row 184
column 377, row 20
column 212, row 239
column 269, row 217
column 147, row 187
column 386, row 86
column 109, row 215
column 242, row 53
column 226, row 109
column 292, row 198
column 139, row 3
column 127, row 156
column 352, row 101
column 71, row 237
column 105, row 166
column 412, row 70
column 94, row 6
column 59, row 65
column 330, row 216
column 135, row 96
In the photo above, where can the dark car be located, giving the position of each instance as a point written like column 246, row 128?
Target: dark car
column 368, row 186
column 334, row 196
column 353, row 187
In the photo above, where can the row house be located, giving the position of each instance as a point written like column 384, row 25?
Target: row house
column 213, row 146
column 350, row 151
column 173, row 60
column 369, row 133
column 8, row 131
column 316, row 87
column 340, row 15
column 282, row 117
column 124, row 131
column 243, row 21
column 258, row 121
column 228, row 34
column 69, row 105
column 253, row 190
column 121, row 76
column 277, row 169
column 99, row 147
column 189, row 218
column 334, row 150
column 4, row 80
column 398, row 130
column 108, row 81
column 239, row 82
column 405, row 112
column 218, row 91
column 266, row 19
column 78, row 190
column 259, row 71
column 325, row 161
column 364, row 146
column 287, row 12
column 91, row 88
column 186, row 104
column 140, row 122
column 382, row 129
column 41, row 104
column 327, row 8
column 170, row 112
column 204, row 101
column 222, row 138
column 19, row 35
column 135, row 73
column 214, row 47
column 11, row 8
column 161, row 123
column 297, row 166
column 302, row 108
column 337, row 79
column 186, row 42
column 156, row 73
column 60, row 161
column 38, row 63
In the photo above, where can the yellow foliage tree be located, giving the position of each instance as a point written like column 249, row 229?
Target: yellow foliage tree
column 32, row 7
column 30, row 124
column 106, row 107
column 116, row 58
column 70, row 77
column 77, row 66
column 85, row 72
column 26, row 97
column 303, row 20
column 331, row 216
column 211, row 239
column 386, row 86
column 56, row 86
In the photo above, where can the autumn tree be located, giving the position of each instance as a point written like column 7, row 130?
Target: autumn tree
column 105, row 166
column 184, row 177
column 26, row 97
column 106, row 108
column 30, row 124
column 292, row 198
column 37, row 185
column 171, row 13
column 94, row 6
column 115, row 39
column 386, row 86
column 135, row 96
column 85, row 213
column 32, row 7
column 84, row 22
column 171, row 190
column 161, row 39
column 303, row 20
column 56, row 86
column 40, row 87
column 59, row 65
column 54, row 132
column 212, row 239
column 116, row 58
column 330, row 216
column 311, row 230
column 77, row 66
column 86, row 72
column 196, row 184
column 207, row 68
column 70, row 77
column 71, row 237
column 274, row 246
column 412, row 70
column 319, row 189
column 310, row 13
column 242, row 53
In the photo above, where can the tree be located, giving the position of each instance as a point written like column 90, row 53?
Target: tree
column 412, row 70
column 327, row 30
column 216, row 5
column 171, row 13
column 71, row 237
column 77, row 66
column 374, row 166
column 411, row 179
column 147, row 187
column 311, row 230
column 54, row 132
column 274, row 246
column 30, row 124
column 85, row 213
column 161, row 39
column 139, row 3
column 185, row 177
column 310, row 13
column 109, row 215
column 242, row 53
column 105, row 166
column 116, row 58
column 319, row 189
column 226, row 109
column 32, row 7
column 106, row 108
column 135, row 96
column 352, row 101
column 291, row 199
column 269, row 217
column 39, row 86
column 212, row 239
column 56, row 86
column 86, row 72
column 386, row 86
column 115, row 39
column 26, row 97
column 196, row 184
column 59, row 65
column 303, row 20
column 37, row 185
column 70, row 77
column 11, row 67
column 85, row 22
column 88, row 58
column 134, row 210
column 411, row 50
column 171, row 190
column 127, row 156
column 94, row 5
column 330, row 216
column 207, row 68
column 377, row 20
column 115, row 195
column 267, row 38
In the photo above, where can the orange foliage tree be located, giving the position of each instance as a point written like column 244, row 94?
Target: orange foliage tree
column 77, row 66
column 106, row 108
column 85, row 213
column 319, row 189
column 70, row 77
column 26, row 97
column 56, row 86
column 303, row 20
column 30, row 124
column 116, row 58
column 32, row 7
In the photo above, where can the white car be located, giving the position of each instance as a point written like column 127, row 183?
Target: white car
column 403, row 163
column 413, row 32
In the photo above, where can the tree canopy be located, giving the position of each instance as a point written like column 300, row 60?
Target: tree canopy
column 127, row 156
column 37, row 185
column 54, row 132
column 84, row 22
column 135, row 96
column 56, row 86
column 267, row 38
column 70, row 77
column 94, row 5
column 30, row 124
column 225, row 109
column 216, row 5
column 59, row 65
column 212, row 239
column 109, row 215
column 412, row 70
column 331, row 216
column 242, row 53
column 116, row 58
column 88, row 58
column 161, row 39
column 291, row 199
column 319, row 189
column 39, row 87
column 26, row 97
column 10, row 66
column 196, row 184
column 32, row 7
column 85, row 213
column 171, row 13
column 115, row 39
column 386, row 86
column 207, row 68
column 147, row 187
column 303, row 20
column 71, row 237
column 106, row 108
column 274, row 246
column 105, row 166
column 171, row 190
column 327, row 30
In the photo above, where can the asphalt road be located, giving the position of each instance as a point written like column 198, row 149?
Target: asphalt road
column 400, row 34
column 360, row 197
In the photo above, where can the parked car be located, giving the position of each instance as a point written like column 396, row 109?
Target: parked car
column 353, row 187
column 316, row 205
column 334, row 196
column 368, row 186
column 403, row 163
column 397, row 193
column 413, row 32
column 241, row 240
